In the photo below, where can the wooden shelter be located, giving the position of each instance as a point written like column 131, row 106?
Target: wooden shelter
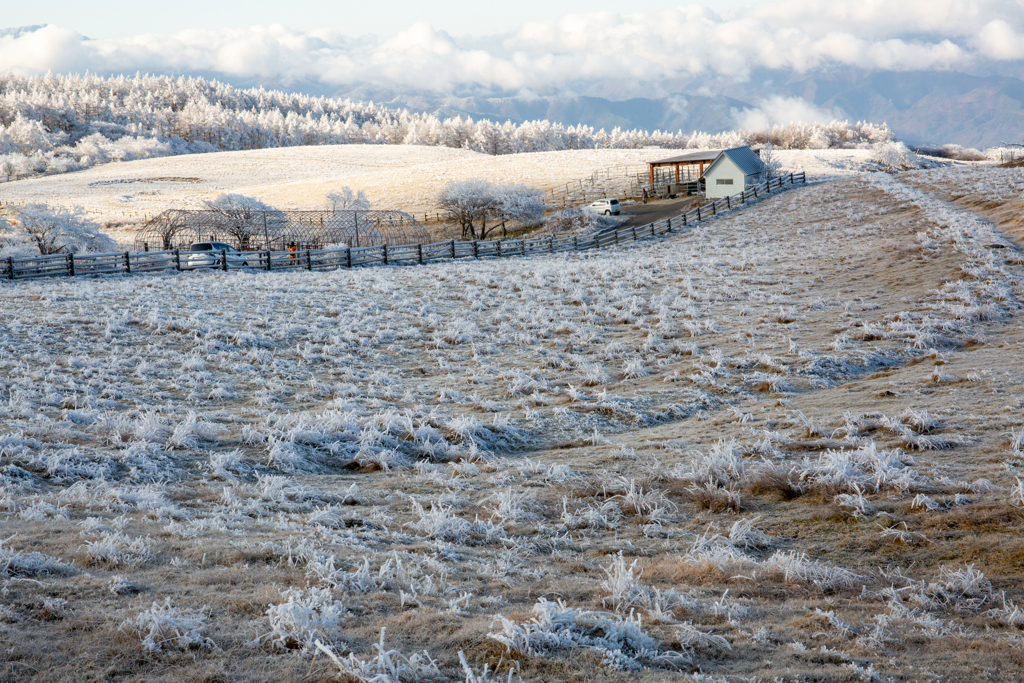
column 689, row 160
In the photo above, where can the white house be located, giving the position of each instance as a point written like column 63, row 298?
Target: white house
column 733, row 170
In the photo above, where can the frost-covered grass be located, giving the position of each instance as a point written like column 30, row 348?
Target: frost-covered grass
column 687, row 456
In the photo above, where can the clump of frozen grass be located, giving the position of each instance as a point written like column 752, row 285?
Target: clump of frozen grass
column 303, row 620
column 635, row 369
column 167, row 627
column 744, row 534
column 691, row 638
column 721, row 466
column 389, row 666
column 22, row 564
column 1016, row 439
column 509, row 507
column 191, row 431
column 119, row 585
column 1017, row 494
column 854, row 503
column 554, row 627
column 622, row 583
column 591, row 516
column 440, row 523
column 797, row 567
column 651, row 507
column 117, row 549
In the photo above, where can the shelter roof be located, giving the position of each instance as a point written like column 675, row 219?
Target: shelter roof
column 744, row 158
column 690, row 158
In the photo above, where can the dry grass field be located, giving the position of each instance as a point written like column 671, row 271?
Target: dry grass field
column 783, row 446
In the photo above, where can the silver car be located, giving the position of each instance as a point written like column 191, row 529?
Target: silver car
column 608, row 207
column 207, row 255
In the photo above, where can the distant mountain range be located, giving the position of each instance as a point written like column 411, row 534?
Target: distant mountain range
column 920, row 106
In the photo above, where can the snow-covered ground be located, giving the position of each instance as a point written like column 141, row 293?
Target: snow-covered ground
column 785, row 444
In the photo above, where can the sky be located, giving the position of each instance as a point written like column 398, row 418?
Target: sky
column 121, row 18
column 528, row 48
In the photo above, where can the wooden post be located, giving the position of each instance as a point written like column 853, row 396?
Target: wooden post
column 575, row 245
column 419, row 250
column 476, row 249
column 309, row 260
column 499, row 248
column 453, row 248
column 670, row 225
column 224, row 259
column 551, row 244
column 350, row 256
column 177, row 260
column 634, row 233
column 71, row 264
column 728, row 200
column 385, row 254
column 10, row 267
column 698, row 214
column 127, row 263
column 684, row 220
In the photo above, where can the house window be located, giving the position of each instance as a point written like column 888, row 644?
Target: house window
column 723, row 181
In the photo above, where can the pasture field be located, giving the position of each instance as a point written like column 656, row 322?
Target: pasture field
column 785, row 445
column 401, row 177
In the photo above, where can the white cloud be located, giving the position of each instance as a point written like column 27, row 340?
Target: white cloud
column 600, row 53
column 782, row 111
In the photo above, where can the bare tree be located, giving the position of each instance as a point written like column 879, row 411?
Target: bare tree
column 345, row 198
column 246, row 216
column 168, row 225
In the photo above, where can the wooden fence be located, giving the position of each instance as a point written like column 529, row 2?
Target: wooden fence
column 321, row 259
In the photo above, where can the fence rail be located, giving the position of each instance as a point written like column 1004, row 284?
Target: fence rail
column 127, row 262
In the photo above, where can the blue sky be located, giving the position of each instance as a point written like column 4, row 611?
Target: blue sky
column 117, row 18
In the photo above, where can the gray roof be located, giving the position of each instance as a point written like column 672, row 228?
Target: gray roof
column 744, row 158
column 692, row 157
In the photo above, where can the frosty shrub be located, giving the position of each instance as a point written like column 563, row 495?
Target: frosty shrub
column 53, row 230
column 893, row 156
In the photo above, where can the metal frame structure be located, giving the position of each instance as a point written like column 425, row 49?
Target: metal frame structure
column 249, row 229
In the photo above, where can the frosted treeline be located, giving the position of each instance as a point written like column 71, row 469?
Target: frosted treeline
column 55, row 124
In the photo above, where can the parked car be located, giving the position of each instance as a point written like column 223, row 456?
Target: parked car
column 608, row 207
column 207, row 255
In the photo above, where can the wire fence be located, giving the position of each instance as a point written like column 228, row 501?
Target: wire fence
column 127, row 263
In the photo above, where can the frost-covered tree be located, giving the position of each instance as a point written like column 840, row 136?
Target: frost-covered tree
column 518, row 203
column 470, row 203
column 248, row 217
column 466, row 202
column 346, row 199
column 771, row 161
column 54, row 230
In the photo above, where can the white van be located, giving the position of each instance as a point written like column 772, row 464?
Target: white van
column 608, row 207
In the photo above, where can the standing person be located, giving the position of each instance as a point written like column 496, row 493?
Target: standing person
column 645, row 195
